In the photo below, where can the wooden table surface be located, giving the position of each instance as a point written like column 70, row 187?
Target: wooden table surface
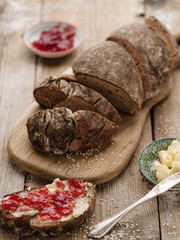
column 21, row 71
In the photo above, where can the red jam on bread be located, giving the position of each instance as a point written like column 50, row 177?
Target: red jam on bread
column 52, row 202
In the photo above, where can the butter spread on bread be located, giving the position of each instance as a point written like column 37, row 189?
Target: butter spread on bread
column 49, row 209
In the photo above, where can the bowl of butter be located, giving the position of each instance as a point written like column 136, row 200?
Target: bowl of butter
column 160, row 159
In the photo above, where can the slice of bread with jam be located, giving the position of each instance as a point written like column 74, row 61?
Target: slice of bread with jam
column 48, row 210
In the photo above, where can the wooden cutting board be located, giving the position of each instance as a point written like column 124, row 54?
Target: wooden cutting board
column 97, row 166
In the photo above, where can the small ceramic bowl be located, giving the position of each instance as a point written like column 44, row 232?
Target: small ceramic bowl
column 150, row 154
column 34, row 33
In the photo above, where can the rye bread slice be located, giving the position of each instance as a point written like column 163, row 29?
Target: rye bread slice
column 26, row 225
column 109, row 69
column 167, row 37
column 150, row 54
column 15, row 225
column 59, row 131
column 50, row 92
column 72, row 95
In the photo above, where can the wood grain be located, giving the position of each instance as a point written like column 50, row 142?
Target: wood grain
column 14, row 83
column 166, row 122
column 13, row 68
column 20, row 71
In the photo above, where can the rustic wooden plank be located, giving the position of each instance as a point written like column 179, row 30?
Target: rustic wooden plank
column 142, row 222
column 166, row 124
column 166, row 120
column 16, row 84
column 97, row 19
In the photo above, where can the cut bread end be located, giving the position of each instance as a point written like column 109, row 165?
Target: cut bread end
column 51, row 92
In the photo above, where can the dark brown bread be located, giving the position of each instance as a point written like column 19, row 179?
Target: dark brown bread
column 72, row 95
column 59, row 131
column 92, row 131
column 27, row 225
column 52, row 130
column 167, row 37
column 109, row 69
column 50, row 92
column 17, row 226
column 150, row 54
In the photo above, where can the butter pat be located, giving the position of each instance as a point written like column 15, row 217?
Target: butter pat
column 165, row 158
column 169, row 161
column 162, row 171
column 177, row 157
column 175, row 167
column 174, row 148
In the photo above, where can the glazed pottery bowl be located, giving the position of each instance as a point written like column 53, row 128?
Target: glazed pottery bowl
column 33, row 34
column 150, row 154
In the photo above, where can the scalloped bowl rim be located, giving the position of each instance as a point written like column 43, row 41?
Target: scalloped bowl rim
column 142, row 153
column 44, row 24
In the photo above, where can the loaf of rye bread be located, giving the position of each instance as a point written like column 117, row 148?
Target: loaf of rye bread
column 72, row 95
column 150, row 54
column 27, row 222
column 129, row 68
column 109, row 69
column 59, row 130
column 147, row 55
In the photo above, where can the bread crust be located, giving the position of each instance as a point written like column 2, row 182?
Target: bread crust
column 93, row 131
column 15, row 225
column 74, row 96
column 167, row 37
column 51, row 91
column 150, row 54
column 110, row 66
column 59, row 131
column 27, row 225
column 52, row 130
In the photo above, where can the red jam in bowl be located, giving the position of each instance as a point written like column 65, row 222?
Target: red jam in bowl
column 56, row 40
column 50, row 205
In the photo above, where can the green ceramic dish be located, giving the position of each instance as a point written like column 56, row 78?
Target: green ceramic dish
column 150, row 154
